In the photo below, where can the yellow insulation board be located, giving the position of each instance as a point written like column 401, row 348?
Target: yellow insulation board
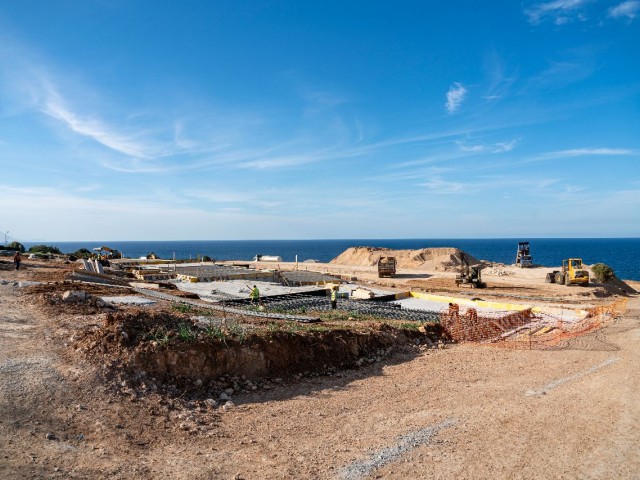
column 464, row 301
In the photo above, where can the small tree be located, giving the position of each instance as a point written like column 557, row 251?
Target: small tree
column 45, row 249
column 603, row 272
column 82, row 253
column 16, row 246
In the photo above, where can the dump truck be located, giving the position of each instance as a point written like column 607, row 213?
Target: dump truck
column 386, row 267
column 523, row 256
column 572, row 273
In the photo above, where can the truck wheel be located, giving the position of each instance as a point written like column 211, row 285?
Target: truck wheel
column 559, row 278
column 567, row 280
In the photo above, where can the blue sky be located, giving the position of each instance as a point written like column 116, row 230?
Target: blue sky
column 158, row 120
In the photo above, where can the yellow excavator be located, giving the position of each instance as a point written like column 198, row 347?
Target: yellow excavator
column 470, row 275
column 572, row 273
column 104, row 254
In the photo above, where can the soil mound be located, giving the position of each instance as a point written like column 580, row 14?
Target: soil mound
column 433, row 259
column 620, row 287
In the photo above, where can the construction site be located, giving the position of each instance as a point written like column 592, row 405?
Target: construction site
column 150, row 359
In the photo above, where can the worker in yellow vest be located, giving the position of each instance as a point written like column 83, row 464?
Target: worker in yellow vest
column 334, row 298
column 254, row 295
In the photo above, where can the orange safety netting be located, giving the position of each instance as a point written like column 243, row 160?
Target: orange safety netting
column 524, row 329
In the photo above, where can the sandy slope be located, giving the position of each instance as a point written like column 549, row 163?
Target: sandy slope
column 435, row 259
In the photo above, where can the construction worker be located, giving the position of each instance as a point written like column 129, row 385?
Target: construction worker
column 17, row 258
column 334, row 297
column 254, row 295
column 454, row 310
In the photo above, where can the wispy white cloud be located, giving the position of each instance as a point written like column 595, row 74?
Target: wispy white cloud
column 628, row 9
column 471, row 148
column 498, row 147
column 500, row 77
column 586, row 152
column 94, row 128
column 319, row 101
column 439, row 185
column 558, row 11
column 505, row 146
column 561, row 73
column 455, row 96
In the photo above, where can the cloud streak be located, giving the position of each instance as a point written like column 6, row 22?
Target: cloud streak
column 587, row 152
column 455, row 96
column 558, row 11
column 94, row 129
column 627, row 10
column 498, row 147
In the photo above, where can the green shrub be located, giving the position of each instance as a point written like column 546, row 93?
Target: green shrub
column 82, row 253
column 603, row 272
column 45, row 249
column 15, row 246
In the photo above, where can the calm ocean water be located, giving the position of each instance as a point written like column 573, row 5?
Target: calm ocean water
column 621, row 254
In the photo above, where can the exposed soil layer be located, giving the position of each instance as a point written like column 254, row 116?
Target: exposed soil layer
column 174, row 348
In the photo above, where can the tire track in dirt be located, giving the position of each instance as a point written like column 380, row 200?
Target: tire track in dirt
column 576, row 376
column 406, row 443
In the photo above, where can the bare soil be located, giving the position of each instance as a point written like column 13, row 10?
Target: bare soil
column 72, row 405
column 436, row 259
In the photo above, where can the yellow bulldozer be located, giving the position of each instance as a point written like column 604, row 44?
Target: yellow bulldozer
column 572, row 273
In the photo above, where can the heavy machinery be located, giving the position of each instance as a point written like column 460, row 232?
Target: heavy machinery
column 471, row 275
column 572, row 273
column 386, row 267
column 104, row 254
column 523, row 256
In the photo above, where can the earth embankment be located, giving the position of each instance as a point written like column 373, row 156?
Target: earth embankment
column 431, row 259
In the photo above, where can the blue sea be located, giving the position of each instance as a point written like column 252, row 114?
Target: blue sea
column 621, row 254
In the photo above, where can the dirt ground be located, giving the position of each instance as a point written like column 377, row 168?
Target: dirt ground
column 465, row 411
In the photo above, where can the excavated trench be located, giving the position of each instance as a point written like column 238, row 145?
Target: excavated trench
column 163, row 346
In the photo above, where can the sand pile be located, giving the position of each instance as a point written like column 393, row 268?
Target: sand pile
column 431, row 259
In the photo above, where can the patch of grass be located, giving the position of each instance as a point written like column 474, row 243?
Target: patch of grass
column 238, row 331
column 182, row 307
column 214, row 330
column 160, row 335
column 296, row 327
column 186, row 332
column 274, row 327
column 409, row 326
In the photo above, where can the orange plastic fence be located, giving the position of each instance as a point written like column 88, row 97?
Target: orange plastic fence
column 523, row 329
